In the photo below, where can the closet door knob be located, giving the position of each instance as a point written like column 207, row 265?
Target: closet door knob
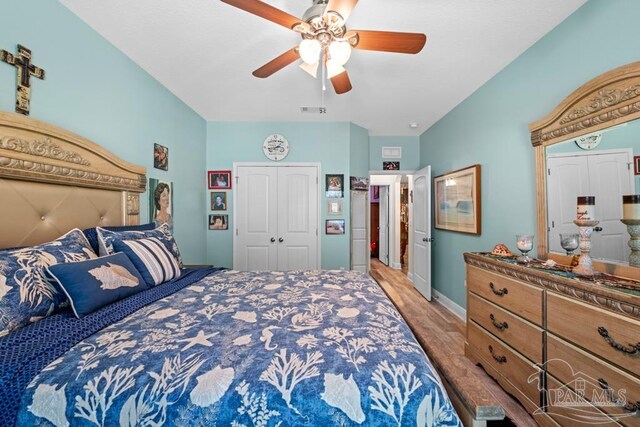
column 281, row 240
column 273, row 240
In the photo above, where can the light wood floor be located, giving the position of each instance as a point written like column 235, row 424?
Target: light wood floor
column 444, row 333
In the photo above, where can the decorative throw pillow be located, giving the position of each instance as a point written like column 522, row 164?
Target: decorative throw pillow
column 94, row 283
column 92, row 234
column 162, row 233
column 25, row 294
column 152, row 259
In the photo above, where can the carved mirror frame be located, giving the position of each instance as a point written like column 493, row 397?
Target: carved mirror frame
column 608, row 100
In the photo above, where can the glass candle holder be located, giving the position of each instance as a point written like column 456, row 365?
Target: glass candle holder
column 524, row 243
column 570, row 242
column 631, row 206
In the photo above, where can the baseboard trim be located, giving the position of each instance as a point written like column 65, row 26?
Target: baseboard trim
column 410, row 276
column 396, row 266
column 450, row 305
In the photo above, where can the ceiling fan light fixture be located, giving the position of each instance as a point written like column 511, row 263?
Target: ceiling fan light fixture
column 312, row 69
column 334, row 69
column 340, row 51
column 310, row 51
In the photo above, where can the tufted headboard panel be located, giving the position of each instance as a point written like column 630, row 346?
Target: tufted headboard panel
column 52, row 180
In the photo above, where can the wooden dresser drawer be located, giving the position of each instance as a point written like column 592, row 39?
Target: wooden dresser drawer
column 612, row 336
column 569, row 364
column 513, row 330
column 512, row 366
column 517, row 297
column 570, row 410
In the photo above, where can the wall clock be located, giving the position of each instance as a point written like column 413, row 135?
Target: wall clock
column 589, row 142
column 275, row 147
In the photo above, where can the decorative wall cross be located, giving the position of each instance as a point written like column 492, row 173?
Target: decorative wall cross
column 22, row 62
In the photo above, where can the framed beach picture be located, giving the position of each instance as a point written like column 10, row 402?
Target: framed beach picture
column 457, row 200
column 335, row 226
column 335, row 186
column 160, row 157
column 219, row 180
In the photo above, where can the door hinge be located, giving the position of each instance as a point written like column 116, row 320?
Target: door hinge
column 317, row 181
column 316, row 231
column 553, row 224
column 236, row 231
column 236, row 179
column 628, row 166
column 549, row 172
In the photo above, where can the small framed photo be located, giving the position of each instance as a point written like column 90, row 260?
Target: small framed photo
column 334, row 226
column 391, row 166
column 636, row 164
column 160, row 157
column 218, row 222
column 219, row 180
column 218, row 201
column 335, row 186
column 359, row 184
column 334, row 207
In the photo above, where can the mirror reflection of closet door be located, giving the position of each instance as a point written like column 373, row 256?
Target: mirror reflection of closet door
column 384, row 225
column 607, row 176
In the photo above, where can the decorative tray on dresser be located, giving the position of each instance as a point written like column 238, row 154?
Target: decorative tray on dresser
column 567, row 348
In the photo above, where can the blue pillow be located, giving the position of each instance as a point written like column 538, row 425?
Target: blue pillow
column 92, row 234
column 152, row 259
column 162, row 233
column 25, row 294
column 94, row 283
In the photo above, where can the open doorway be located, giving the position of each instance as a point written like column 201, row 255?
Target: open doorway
column 390, row 220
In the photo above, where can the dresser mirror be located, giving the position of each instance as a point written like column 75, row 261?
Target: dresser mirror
column 586, row 146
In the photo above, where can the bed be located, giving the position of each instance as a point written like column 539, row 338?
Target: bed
column 210, row 347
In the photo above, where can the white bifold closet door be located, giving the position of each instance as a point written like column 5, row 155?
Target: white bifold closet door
column 276, row 215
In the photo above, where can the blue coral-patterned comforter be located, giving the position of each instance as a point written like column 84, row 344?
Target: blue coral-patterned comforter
column 248, row 349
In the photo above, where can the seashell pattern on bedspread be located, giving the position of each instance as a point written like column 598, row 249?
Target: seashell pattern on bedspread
column 248, row 349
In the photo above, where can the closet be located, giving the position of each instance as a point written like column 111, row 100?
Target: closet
column 276, row 218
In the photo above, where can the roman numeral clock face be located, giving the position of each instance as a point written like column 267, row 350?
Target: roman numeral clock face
column 275, row 147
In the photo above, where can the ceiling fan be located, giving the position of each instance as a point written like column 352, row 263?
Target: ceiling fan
column 326, row 44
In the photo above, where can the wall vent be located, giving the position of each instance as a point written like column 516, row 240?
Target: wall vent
column 392, row 152
column 313, row 110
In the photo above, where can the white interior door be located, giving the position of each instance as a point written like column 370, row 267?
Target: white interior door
column 607, row 176
column 610, row 177
column 421, row 231
column 297, row 218
column 256, row 215
column 567, row 178
column 360, row 231
column 383, row 252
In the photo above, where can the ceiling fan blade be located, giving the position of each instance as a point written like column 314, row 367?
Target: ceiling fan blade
column 387, row 41
column 268, row 12
column 343, row 7
column 277, row 64
column 341, row 83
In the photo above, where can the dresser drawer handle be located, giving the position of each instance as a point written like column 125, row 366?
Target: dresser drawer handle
column 628, row 407
column 499, row 292
column 501, row 326
column 632, row 349
column 499, row 359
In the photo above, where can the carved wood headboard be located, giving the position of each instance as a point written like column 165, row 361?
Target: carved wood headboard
column 52, row 180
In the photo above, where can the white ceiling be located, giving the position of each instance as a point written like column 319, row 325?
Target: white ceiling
column 204, row 52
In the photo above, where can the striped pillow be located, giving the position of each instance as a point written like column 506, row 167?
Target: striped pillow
column 152, row 259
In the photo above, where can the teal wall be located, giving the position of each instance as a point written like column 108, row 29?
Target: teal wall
column 326, row 143
column 490, row 127
column 359, row 152
column 410, row 160
column 92, row 89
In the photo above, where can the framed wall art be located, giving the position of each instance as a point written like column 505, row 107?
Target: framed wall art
column 457, row 201
column 335, row 186
column 334, row 207
column 218, row 201
column 160, row 157
column 359, row 184
column 390, row 166
column 219, row 180
column 636, row 165
column 161, row 202
column 218, row 222
column 335, row 226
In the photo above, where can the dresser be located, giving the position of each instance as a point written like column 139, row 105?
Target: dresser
column 567, row 349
